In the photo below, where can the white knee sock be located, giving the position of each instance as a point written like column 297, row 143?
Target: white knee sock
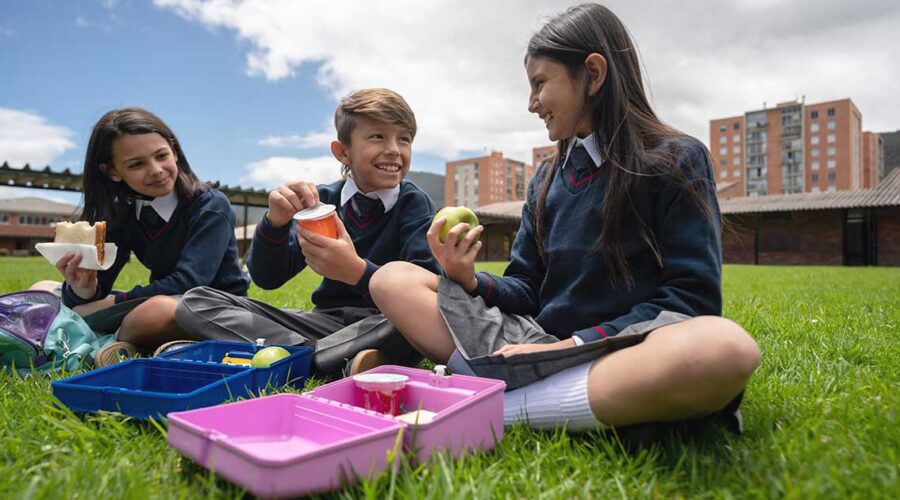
column 560, row 399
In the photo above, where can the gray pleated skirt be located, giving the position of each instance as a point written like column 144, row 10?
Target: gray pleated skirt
column 479, row 330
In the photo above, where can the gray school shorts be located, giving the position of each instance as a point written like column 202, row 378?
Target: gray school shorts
column 479, row 330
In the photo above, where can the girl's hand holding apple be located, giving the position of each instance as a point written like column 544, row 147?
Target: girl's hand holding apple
column 456, row 252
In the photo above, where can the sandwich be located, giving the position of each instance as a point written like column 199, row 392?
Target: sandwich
column 82, row 233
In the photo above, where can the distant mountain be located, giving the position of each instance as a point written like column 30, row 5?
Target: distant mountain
column 433, row 184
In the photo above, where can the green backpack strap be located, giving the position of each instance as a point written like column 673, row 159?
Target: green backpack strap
column 70, row 344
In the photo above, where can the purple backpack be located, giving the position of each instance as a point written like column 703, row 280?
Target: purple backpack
column 37, row 332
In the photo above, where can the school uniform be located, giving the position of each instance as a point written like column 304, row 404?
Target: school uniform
column 182, row 246
column 385, row 226
column 570, row 294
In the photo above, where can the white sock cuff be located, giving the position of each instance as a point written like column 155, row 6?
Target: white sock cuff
column 560, row 399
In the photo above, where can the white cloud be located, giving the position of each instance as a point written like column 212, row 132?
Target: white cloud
column 459, row 64
column 310, row 140
column 82, row 22
column 277, row 170
column 26, row 137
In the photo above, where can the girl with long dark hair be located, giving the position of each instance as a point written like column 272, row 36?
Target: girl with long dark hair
column 609, row 311
column 138, row 180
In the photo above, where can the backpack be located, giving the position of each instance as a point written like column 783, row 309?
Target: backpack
column 38, row 332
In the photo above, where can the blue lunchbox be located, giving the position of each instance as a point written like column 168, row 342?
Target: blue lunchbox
column 151, row 388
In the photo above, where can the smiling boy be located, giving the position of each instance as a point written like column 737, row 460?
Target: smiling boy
column 381, row 218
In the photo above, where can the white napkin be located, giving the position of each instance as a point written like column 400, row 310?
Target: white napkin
column 55, row 251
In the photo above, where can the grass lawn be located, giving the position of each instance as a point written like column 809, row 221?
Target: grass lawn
column 820, row 415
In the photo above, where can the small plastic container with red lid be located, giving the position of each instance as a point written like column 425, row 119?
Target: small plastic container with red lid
column 382, row 392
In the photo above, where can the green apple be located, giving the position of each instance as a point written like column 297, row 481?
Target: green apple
column 455, row 215
column 267, row 356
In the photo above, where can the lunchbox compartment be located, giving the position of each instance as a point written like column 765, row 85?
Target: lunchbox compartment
column 293, row 370
column 468, row 411
column 286, row 444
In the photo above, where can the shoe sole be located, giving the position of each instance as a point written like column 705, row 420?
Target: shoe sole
column 366, row 360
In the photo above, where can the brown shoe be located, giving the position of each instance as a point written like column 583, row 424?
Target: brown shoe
column 172, row 346
column 114, row 352
column 366, row 360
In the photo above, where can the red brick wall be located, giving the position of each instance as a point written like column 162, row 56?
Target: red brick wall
column 888, row 231
column 737, row 239
column 800, row 238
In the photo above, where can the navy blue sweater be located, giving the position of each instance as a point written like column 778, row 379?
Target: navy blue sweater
column 195, row 248
column 572, row 294
column 275, row 256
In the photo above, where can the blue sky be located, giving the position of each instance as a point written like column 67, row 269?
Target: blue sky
column 250, row 86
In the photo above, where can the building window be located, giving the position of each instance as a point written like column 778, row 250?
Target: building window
column 723, row 174
column 815, row 177
column 814, row 115
column 830, row 111
column 723, row 139
column 815, row 189
column 831, row 176
column 723, row 127
column 736, row 125
column 4, row 219
column 814, row 152
column 737, row 173
column 723, row 162
column 736, row 138
column 831, row 163
column 814, row 139
column 831, row 151
column 736, row 150
column 831, row 138
column 831, row 125
column 814, row 127
column 723, row 151
column 831, row 189
column 736, row 161
column 814, row 165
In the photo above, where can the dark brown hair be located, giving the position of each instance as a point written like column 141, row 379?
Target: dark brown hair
column 383, row 105
column 634, row 142
column 107, row 200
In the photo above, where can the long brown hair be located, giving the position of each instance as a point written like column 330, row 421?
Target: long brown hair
column 635, row 143
column 109, row 201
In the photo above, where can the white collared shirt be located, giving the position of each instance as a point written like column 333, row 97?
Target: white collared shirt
column 388, row 196
column 590, row 144
column 164, row 206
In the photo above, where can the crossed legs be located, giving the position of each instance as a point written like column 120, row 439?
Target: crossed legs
column 681, row 371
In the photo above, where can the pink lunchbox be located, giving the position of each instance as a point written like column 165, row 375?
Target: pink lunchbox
column 290, row 445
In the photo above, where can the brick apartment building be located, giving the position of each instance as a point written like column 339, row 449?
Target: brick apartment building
column 542, row 154
column 475, row 182
column 795, row 148
column 29, row 220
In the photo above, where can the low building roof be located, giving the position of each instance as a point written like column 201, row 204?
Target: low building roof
column 887, row 194
column 36, row 205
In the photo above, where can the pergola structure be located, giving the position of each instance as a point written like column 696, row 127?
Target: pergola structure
column 27, row 177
